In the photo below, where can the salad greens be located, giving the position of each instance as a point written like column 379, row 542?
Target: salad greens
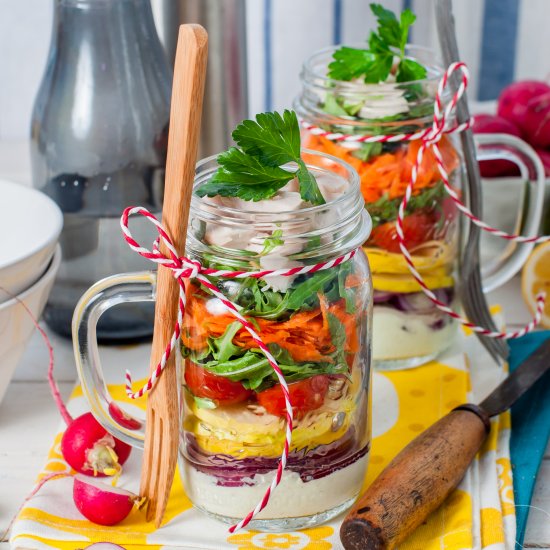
column 386, row 209
column 256, row 300
column 252, row 369
column 252, row 171
column 376, row 63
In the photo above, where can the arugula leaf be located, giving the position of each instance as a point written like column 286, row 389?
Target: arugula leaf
column 388, row 42
column 222, row 347
column 338, row 337
column 253, row 170
column 332, row 107
column 338, row 106
column 273, row 241
column 385, row 209
column 368, row 150
column 255, row 373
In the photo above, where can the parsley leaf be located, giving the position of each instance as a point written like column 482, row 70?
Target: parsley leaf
column 410, row 70
column 252, row 171
column 375, row 64
column 273, row 138
column 309, row 190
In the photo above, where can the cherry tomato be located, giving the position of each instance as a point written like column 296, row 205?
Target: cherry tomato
column 305, row 395
column 203, row 383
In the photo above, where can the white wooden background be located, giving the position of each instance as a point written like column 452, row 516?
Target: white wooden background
column 295, row 29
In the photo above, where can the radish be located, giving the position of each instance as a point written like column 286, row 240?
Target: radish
column 491, row 124
column 101, row 503
column 512, row 102
column 103, row 546
column 86, row 446
column 90, row 449
column 536, row 123
column 125, row 420
column 545, row 158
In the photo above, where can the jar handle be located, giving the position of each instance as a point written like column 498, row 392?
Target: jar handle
column 109, row 292
column 504, row 146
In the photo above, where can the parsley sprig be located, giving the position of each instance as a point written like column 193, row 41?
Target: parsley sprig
column 252, row 170
column 376, row 62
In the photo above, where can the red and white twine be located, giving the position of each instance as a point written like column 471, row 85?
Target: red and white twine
column 430, row 137
column 184, row 268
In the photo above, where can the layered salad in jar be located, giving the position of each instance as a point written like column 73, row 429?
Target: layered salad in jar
column 265, row 205
column 388, row 88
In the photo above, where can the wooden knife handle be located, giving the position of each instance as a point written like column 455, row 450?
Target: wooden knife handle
column 416, row 482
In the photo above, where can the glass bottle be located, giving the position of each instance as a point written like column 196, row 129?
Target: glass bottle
column 98, row 144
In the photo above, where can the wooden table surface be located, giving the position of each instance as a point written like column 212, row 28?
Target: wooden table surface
column 29, row 419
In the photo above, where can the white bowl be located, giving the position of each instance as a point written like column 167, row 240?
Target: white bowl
column 16, row 325
column 30, row 225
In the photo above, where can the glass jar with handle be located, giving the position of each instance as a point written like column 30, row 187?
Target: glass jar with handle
column 317, row 325
column 408, row 329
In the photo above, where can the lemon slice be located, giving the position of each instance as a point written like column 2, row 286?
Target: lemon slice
column 535, row 278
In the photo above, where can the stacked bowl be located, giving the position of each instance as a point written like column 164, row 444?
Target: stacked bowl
column 30, row 224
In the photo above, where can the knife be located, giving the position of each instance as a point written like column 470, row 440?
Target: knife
column 422, row 475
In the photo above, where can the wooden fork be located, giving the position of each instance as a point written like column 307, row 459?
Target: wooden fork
column 163, row 420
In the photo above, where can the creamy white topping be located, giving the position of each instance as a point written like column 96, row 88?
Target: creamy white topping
column 292, row 498
column 397, row 335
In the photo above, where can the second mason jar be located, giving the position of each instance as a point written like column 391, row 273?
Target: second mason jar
column 316, row 325
column 408, row 329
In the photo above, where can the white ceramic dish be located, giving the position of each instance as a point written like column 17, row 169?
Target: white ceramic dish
column 504, row 208
column 16, row 325
column 30, row 225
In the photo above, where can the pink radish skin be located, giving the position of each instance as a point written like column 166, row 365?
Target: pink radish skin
column 103, row 546
column 491, row 124
column 512, row 102
column 101, row 503
column 85, row 445
column 90, row 449
column 536, row 124
column 119, row 416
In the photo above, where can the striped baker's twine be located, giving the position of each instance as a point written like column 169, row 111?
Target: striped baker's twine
column 184, row 268
column 430, row 138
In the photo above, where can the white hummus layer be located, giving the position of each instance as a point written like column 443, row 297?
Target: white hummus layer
column 292, row 498
column 398, row 335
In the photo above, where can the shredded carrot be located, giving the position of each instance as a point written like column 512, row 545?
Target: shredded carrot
column 306, row 335
column 389, row 173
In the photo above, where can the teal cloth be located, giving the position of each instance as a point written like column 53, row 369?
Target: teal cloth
column 530, row 430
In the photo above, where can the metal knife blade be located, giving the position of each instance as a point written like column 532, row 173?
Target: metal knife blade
column 507, row 393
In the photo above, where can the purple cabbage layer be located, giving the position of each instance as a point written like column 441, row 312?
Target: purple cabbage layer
column 417, row 303
column 309, row 464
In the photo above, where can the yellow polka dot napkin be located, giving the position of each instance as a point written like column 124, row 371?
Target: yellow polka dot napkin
column 479, row 514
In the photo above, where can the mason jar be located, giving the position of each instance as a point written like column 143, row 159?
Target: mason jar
column 317, row 325
column 408, row 329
